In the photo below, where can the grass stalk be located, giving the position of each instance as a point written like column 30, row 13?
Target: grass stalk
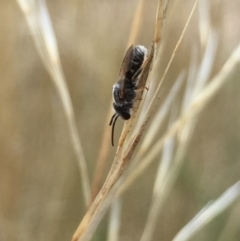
column 208, row 213
column 40, row 25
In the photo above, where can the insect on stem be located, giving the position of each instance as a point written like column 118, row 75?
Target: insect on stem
column 125, row 89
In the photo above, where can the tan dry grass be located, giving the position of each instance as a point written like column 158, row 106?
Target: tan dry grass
column 45, row 189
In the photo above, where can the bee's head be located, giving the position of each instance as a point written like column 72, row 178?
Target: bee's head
column 122, row 111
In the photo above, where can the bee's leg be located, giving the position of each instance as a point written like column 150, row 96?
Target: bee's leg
column 142, row 88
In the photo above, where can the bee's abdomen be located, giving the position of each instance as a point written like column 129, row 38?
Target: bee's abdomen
column 139, row 53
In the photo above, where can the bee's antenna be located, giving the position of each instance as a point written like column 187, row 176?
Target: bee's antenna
column 112, row 123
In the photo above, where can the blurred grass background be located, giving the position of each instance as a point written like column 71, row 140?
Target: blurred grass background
column 40, row 189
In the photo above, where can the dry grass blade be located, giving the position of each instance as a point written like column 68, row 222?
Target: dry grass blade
column 158, row 120
column 209, row 212
column 156, row 97
column 102, row 156
column 191, row 112
column 136, row 22
column 116, row 171
column 163, row 169
column 163, row 188
column 190, row 81
column 207, row 63
column 104, row 150
column 169, row 166
column 135, row 110
column 167, row 157
column 40, row 25
column 160, row 16
column 114, row 221
column 204, row 23
column 158, row 175
column 130, row 145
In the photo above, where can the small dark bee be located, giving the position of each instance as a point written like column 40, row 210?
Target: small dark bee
column 124, row 91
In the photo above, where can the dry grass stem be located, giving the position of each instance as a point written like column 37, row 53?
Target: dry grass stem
column 139, row 97
column 143, row 82
column 204, row 23
column 165, row 180
column 40, row 25
column 156, row 96
column 114, row 220
column 178, row 149
column 209, row 212
column 192, row 111
column 136, row 23
column 104, row 150
column 160, row 17
column 102, row 157
column 169, row 166
column 118, row 165
column 159, row 21
column 160, row 116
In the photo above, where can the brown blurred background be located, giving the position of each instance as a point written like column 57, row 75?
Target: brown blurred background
column 40, row 187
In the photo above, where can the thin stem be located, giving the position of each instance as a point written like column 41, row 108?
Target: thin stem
column 40, row 25
column 208, row 213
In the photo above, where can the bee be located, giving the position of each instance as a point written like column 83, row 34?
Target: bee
column 124, row 90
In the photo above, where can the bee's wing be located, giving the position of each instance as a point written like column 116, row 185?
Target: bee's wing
column 127, row 61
